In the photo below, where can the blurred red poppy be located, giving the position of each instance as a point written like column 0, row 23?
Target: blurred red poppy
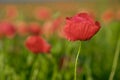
column 35, row 28
column 7, row 29
column 36, row 44
column 56, row 24
column 11, row 12
column 22, row 28
column 47, row 28
column 108, row 16
column 50, row 27
column 80, row 27
column 42, row 13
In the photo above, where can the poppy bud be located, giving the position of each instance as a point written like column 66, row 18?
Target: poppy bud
column 81, row 27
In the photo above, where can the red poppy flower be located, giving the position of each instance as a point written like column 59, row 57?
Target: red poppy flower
column 11, row 12
column 56, row 24
column 42, row 13
column 47, row 28
column 7, row 29
column 107, row 16
column 37, row 45
column 81, row 27
column 22, row 28
column 91, row 12
column 51, row 27
column 35, row 29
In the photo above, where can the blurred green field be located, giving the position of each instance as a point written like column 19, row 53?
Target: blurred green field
column 96, row 57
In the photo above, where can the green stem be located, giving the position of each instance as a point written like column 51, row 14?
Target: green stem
column 76, row 61
column 52, row 59
column 31, row 68
column 116, row 56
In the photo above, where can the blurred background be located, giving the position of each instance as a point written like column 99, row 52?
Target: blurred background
column 20, row 19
